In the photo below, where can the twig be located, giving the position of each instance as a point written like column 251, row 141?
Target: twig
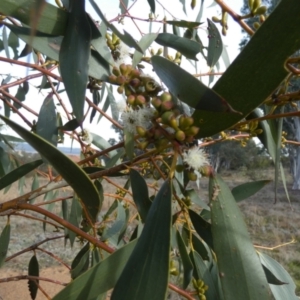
column 54, row 257
column 22, row 277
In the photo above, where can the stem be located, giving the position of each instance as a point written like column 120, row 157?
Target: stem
column 22, row 277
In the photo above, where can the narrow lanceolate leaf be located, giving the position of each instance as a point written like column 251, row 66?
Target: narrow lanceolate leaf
column 46, row 124
column 185, row 46
column 144, row 43
column 149, row 261
column 74, row 218
column 184, row 24
column 246, row 190
column 279, row 291
column 187, row 88
column 238, row 85
column 152, row 5
column 215, row 45
column 186, row 262
column 33, row 270
column 236, row 256
column 72, row 173
column 74, row 55
column 4, row 242
column 140, row 194
column 81, row 261
column 18, row 173
column 107, row 273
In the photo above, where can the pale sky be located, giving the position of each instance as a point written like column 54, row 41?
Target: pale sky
column 141, row 9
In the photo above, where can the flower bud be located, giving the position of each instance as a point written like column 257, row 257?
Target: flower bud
column 141, row 131
column 123, row 69
column 192, row 131
column 180, row 135
column 167, row 105
column 166, row 117
column 165, row 97
column 112, row 79
column 261, row 10
column 216, row 19
column 135, row 82
column 120, row 89
column 121, row 80
column 156, row 102
column 131, row 99
column 116, row 71
column 159, row 51
column 192, row 176
column 140, row 100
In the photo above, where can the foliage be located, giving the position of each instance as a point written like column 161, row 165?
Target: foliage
column 157, row 235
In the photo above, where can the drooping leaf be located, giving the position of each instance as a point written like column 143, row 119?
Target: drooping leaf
column 4, row 242
column 150, row 258
column 185, row 46
column 13, row 42
column 144, row 43
column 243, row 91
column 215, row 45
column 18, row 173
column 236, row 256
column 129, row 143
column 286, row 291
column 272, row 279
column 21, row 94
column 35, row 185
column 81, row 261
column 186, row 262
column 69, row 170
column 152, row 5
column 74, row 218
column 46, row 123
column 202, row 227
column 246, row 190
column 140, row 194
column 107, row 273
column 202, row 272
column 187, row 88
column 102, row 144
column 33, row 270
column 74, row 55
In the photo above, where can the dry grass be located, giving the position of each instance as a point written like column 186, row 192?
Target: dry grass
column 269, row 225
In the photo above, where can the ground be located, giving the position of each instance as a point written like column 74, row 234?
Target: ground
column 269, row 224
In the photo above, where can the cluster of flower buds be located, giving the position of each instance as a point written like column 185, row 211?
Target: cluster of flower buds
column 137, row 87
column 201, row 288
column 222, row 21
column 169, row 116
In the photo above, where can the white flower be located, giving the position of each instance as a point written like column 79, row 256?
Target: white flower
column 133, row 118
column 196, row 158
column 87, row 136
column 123, row 51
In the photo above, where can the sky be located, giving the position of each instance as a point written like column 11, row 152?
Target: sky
column 140, row 9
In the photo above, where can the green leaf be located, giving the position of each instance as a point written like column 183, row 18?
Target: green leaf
column 33, row 270
column 46, row 123
column 238, row 85
column 74, row 217
column 21, row 94
column 144, row 43
column 126, row 38
column 117, row 226
column 107, row 273
column 202, row 272
column 215, row 45
column 184, row 24
column 74, row 55
column 150, row 258
column 185, row 46
column 236, row 256
column 152, row 5
column 69, row 170
column 102, row 144
column 18, row 173
column 35, row 185
column 186, row 262
column 202, row 227
column 81, row 261
column 4, row 242
column 271, row 278
column 13, row 42
column 70, row 125
column 187, row 88
column 286, row 291
column 246, row 190
column 140, row 194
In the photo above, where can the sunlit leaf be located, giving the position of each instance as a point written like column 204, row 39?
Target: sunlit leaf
column 73, row 174
column 150, row 258
column 236, row 256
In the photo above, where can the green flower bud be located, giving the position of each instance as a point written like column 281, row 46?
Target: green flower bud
column 166, row 117
column 141, row 131
column 140, row 100
column 131, row 99
column 165, row 97
column 261, row 10
column 156, row 102
column 180, row 135
column 216, row 19
column 120, row 89
column 121, row 80
column 167, row 105
column 116, row 71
